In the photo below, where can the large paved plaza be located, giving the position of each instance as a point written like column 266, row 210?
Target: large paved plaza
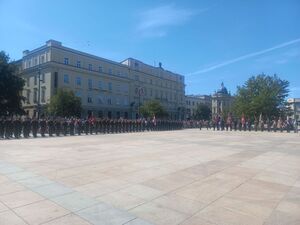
column 187, row 177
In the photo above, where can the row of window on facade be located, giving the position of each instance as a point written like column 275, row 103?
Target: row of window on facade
column 121, row 88
column 36, row 78
column 91, row 68
column 136, row 77
column 105, row 100
column 35, row 95
column 36, row 60
column 192, row 103
column 124, row 88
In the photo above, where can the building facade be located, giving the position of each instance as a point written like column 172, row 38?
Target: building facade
column 222, row 101
column 192, row 102
column 294, row 104
column 106, row 88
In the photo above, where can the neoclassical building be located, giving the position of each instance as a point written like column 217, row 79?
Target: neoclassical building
column 106, row 88
column 222, row 101
column 193, row 101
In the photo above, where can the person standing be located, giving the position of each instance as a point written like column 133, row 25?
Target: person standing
column 43, row 126
column 2, row 127
column 51, row 129
column 34, row 126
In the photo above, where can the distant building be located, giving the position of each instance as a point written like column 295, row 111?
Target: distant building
column 192, row 102
column 222, row 101
column 106, row 88
column 294, row 104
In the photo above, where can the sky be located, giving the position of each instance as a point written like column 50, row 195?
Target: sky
column 207, row 41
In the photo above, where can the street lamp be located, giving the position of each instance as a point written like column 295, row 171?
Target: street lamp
column 39, row 93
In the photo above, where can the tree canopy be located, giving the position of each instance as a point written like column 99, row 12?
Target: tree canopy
column 262, row 95
column 11, row 87
column 153, row 108
column 65, row 104
column 203, row 112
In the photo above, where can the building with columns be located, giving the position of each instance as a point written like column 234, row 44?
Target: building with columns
column 222, row 101
column 106, row 88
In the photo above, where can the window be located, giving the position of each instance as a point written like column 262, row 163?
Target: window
column 78, row 64
column 100, row 85
column 66, row 61
column 109, row 71
column 42, row 59
column 110, row 86
column 90, row 83
column 66, row 78
column 78, row 81
column 27, row 81
column 28, row 96
column 55, row 79
column 89, row 99
column 100, row 100
column 43, row 94
column 35, row 80
column 35, row 96
column 109, row 102
column 150, row 81
column 100, row 69
column 118, row 88
column 35, row 61
column 117, row 101
column 78, row 94
column 126, row 102
column 43, row 78
column 90, row 67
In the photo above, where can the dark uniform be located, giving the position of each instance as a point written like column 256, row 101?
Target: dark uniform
column 50, row 127
column 65, row 127
column 26, row 127
column 57, row 125
column 2, row 127
column 43, row 126
column 8, row 127
column 17, row 127
column 34, row 127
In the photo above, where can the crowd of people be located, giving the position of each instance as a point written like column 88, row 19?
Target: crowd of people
column 243, row 124
column 25, row 127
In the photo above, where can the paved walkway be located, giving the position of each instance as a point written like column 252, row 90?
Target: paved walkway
column 187, row 177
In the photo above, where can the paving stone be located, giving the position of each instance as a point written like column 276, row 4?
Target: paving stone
column 52, row 190
column 40, row 212
column 74, row 201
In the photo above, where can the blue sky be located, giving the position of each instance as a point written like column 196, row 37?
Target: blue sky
column 208, row 41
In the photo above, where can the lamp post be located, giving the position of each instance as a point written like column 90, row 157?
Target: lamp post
column 39, row 93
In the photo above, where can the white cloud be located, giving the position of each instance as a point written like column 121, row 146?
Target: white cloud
column 155, row 22
column 250, row 55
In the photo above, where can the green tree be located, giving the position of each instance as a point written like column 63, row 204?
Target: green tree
column 11, row 87
column 262, row 95
column 151, row 108
column 203, row 112
column 65, row 104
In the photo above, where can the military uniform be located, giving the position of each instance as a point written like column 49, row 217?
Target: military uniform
column 43, row 126
column 51, row 129
column 34, row 127
column 2, row 127
column 65, row 127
